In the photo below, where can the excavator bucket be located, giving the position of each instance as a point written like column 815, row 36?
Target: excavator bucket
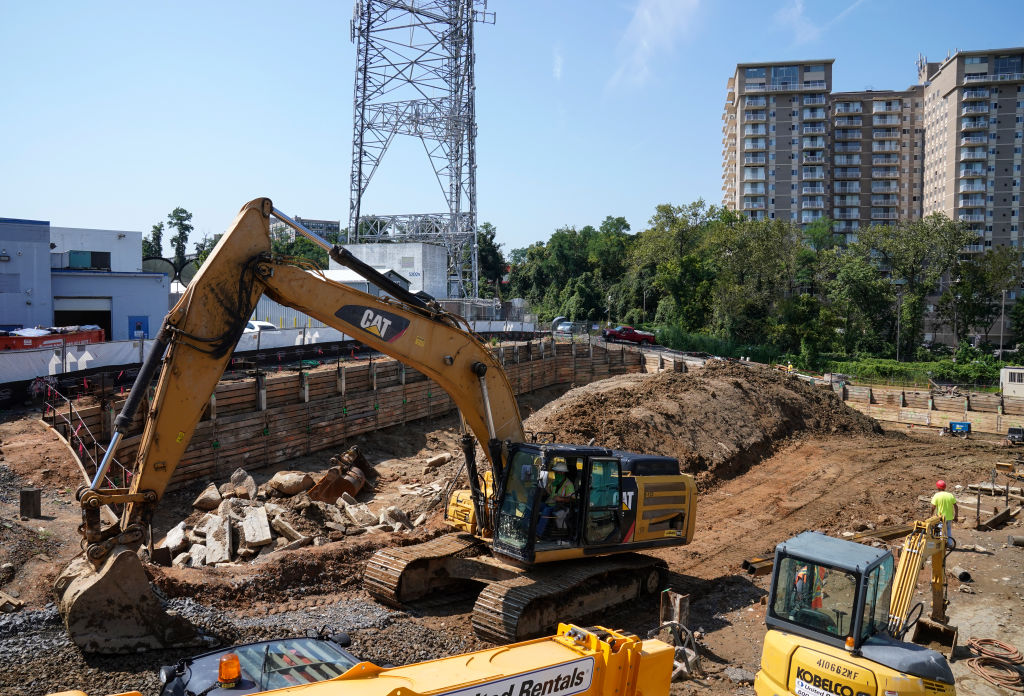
column 935, row 635
column 114, row 609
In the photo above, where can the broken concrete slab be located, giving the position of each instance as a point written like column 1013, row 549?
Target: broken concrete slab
column 198, row 554
column 218, row 542
column 233, row 508
column 395, row 516
column 256, row 528
column 182, row 559
column 282, row 527
column 336, row 526
column 204, row 525
column 361, row 515
column 209, row 499
column 419, row 520
column 175, row 540
column 439, row 460
column 290, row 482
column 241, row 479
column 298, row 543
column 346, row 499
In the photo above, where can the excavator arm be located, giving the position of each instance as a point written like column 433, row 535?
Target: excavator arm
column 194, row 346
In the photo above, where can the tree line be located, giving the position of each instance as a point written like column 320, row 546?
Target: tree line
column 704, row 270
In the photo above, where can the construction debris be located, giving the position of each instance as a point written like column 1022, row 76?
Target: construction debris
column 236, row 522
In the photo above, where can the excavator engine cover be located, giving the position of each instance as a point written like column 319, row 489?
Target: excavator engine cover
column 114, row 610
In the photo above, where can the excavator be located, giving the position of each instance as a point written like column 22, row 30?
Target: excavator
column 838, row 613
column 548, row 530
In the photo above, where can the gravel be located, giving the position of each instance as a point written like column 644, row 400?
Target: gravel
column 39, row 658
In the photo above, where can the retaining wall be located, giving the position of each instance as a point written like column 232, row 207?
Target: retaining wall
column 987, row 413
column 272, row 417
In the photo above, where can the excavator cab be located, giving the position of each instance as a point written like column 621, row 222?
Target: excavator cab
column 828, row 620
column 568, row 501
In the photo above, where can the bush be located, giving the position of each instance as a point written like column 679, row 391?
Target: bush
column 673, row 336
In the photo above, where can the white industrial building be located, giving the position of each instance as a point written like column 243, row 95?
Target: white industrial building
column 424, row 265
column 65, row 276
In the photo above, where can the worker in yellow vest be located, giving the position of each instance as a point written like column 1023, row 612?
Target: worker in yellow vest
column 944, row 504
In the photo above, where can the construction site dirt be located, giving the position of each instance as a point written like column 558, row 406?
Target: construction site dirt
column 773, row 457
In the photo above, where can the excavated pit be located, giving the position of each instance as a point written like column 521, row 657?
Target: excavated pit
column 718, row 421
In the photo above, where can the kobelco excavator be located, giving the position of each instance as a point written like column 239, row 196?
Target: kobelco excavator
column 838, row 612
column 559, row 520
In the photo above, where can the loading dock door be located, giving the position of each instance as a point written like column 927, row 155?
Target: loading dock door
column 77, row 311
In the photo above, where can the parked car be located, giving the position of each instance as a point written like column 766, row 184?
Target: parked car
column 257, row 326
column 628, row 333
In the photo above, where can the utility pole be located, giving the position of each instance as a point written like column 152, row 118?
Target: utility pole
column 1002, row 324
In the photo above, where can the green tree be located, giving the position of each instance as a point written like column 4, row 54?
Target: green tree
column 490, row 260
column 154, row 245
column 179, row 220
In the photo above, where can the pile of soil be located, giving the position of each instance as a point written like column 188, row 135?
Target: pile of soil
column 717, row 422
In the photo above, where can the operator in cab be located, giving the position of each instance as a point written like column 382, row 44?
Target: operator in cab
column 561, row 493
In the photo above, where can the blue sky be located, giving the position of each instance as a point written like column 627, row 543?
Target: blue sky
column 114, row 113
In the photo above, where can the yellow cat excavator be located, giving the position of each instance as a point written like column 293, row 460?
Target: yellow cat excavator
column 546, row 529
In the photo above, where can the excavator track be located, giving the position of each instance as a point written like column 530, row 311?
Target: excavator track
column 511, row 610
column 404, row 574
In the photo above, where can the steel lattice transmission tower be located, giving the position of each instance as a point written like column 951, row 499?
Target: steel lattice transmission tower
column 414, row 76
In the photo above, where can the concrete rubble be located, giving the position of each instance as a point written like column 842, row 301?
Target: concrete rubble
column 239, row 521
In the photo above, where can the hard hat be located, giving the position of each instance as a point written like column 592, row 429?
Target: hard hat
column 940, row 484
column 560, row 465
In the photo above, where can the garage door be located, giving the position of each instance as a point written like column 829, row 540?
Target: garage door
column 82, row 304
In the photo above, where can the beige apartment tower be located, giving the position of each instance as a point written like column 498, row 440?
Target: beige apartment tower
column 794, row 149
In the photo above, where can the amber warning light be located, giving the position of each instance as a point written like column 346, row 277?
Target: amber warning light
column 229, row 672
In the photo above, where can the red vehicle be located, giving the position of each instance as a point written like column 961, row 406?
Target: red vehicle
column 628, row 333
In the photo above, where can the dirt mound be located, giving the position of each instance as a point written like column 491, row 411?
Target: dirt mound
column 717, row 421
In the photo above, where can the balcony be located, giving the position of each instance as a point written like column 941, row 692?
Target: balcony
column 753, row 189
column 885, row 159
column 846, row 200
column 842, row 134
column 755, row 144
column 885, row 200
column 884, row 108
column 814, row 114
column 812, row 99
column 754, row 159
column 813, row 173
column 849, row 121
column 809, row 86
column 848, row 188
column 885, row 146
column 885, row 120
column 812, row 205
column 969, row 124
column 884, row 187
column 751, row 205
column 973, row 140
column 849, row 108
column 813, row 159
column 971, row 202
column 755, row 102
column 970, row 94
column 812, row 143
column 812, row 190
column 886, row 173
column 972, row 173
column 974, row 109
column 885, row 133
column 1004, row 77
column 846, row 173
column 755, row 130
column 971, row 187
column 883, row 214
column 970, row 217
column 814, row 129
column 974, row 153
column 754, row 117
column 846, row 147
column 848, row 214
column 847, row 159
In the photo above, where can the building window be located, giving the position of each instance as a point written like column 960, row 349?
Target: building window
column 1016, row 377
column 976, row 60
column 754, row 72
column 1008, row 65
column 785, row 74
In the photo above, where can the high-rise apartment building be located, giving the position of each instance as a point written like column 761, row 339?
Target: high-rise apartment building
column 974, row 122
column 795, row 150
